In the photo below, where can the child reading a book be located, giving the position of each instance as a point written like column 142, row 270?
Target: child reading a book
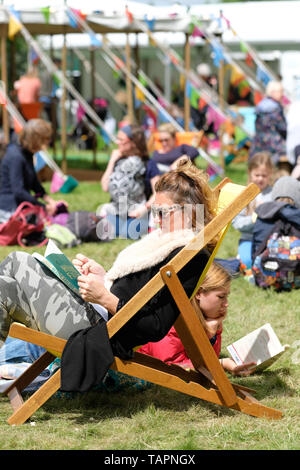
column 260, row 171
column 210, row 303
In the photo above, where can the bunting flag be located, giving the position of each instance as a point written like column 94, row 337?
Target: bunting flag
column 56, row 80
column 173, row 59
column 212, row 116
column 116, row 74
column 243, row 47
column 244, row 88
column 194, row 98
column 14, row 26
column 17, row 125
column 201, row 104
column 94, row 40
column 249, row 60
column 129, row 15
column 257, row 97
column 225, row 19
column 188, row 89
column 196, row 32
column 3, row 101
column 46, row 13
column 218, row 54
column 150, row 23
column 142, row 80
column 236, row 76
column 262, row 76
column 119, row 63
column 240, row 136
column 33, row 57
column 139, row 95
column 212, row 173
column 72, row 19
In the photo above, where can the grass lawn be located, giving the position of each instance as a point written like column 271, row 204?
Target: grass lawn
column 161, row 419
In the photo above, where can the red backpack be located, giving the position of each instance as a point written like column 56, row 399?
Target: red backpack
column 27, row 219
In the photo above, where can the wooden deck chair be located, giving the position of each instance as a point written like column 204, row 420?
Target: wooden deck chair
column 189, row 138
column 208, row 381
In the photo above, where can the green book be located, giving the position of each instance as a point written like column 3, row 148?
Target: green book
column 60, row 265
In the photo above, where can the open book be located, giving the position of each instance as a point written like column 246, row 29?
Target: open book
column 62, row 268
column 60, row 265
column 261, row 346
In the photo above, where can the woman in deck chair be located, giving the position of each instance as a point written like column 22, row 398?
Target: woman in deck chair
column 32, row 295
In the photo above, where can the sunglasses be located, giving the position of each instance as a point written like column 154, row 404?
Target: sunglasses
column 162, row 211
column 164, row 140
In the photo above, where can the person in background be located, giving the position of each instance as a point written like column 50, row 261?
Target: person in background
column 170, row 153
column 284, row 205
column 130, row 177
column 260, row 172
column 210, row 303
column 48, row 97
column 28, row 87
column 270, row 124
column 18, row 178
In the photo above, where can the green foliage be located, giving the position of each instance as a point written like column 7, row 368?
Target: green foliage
column 158, row 418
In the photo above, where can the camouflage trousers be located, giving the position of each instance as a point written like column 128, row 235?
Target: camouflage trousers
column 32, row 295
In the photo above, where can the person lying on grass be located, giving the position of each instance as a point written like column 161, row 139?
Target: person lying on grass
column 210, row 303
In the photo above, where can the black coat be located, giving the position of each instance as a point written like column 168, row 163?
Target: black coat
column 18, row 178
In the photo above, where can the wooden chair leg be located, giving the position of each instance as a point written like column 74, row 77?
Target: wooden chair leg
column 35, row 401
column 31, row 373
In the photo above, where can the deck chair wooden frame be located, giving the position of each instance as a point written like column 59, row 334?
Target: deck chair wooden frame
column 207, row 382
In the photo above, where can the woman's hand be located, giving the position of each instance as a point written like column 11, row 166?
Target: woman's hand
column 88, row 266
column 212, row 325
column 115, row 155
column 139, row 211
column 92, row 289
column 242, row 370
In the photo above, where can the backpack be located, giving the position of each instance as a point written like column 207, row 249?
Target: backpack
column 277, row 261
column 25, row 227
column 84, row 226
column 62, row 236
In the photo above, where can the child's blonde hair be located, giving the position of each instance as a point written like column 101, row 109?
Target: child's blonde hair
column 217, row 277
column 260, row 159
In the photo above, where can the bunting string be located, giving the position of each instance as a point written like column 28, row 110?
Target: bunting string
column 121, row 64
column 59, row 76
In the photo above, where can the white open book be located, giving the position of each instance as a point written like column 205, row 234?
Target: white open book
column 261, row 346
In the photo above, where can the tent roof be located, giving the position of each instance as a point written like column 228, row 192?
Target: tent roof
column 59, row 23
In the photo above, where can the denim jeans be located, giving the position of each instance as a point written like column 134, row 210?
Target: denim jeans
column 15, row 350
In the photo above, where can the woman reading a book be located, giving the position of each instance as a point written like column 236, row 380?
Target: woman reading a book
column 31, row 294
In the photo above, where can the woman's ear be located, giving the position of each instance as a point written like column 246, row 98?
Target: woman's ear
column 198, row 296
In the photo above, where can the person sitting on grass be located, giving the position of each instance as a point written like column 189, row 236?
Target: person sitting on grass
column 18, row 178
column 260, row 172
column 129, row 178
column 210, row 303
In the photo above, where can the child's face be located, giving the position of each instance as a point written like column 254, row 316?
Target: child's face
column 214, row 304
column 261, row 176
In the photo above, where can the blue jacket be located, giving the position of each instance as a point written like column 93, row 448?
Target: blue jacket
column 267, row 215
column 18, row 178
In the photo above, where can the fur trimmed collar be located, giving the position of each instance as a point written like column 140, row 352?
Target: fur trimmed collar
column 147, row 252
